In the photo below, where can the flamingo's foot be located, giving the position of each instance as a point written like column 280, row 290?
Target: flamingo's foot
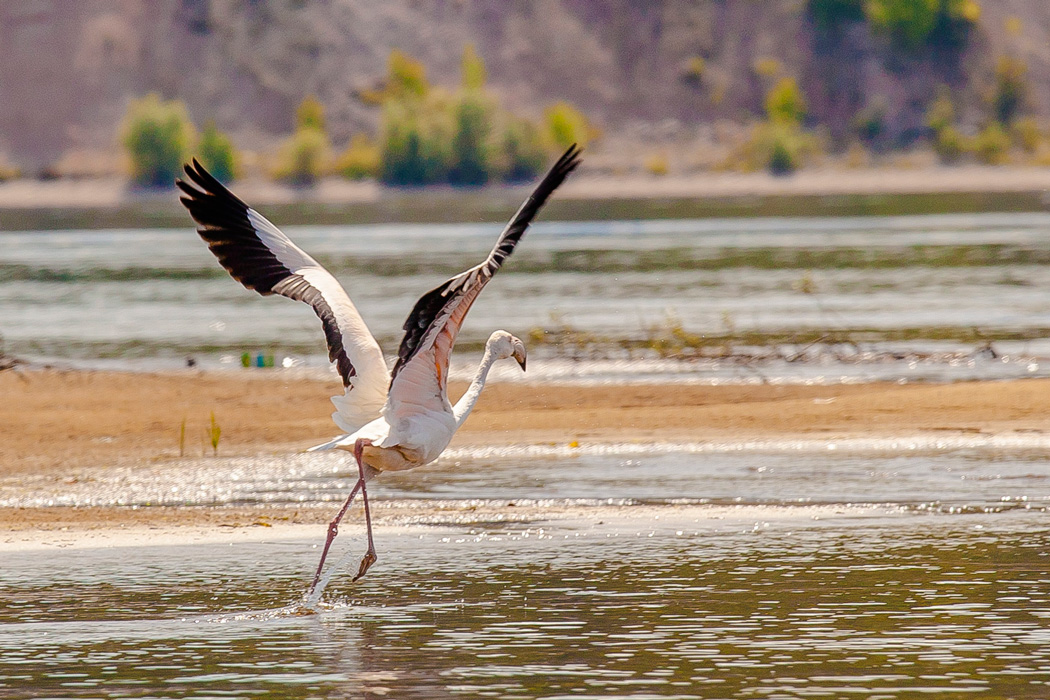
column 366, row 563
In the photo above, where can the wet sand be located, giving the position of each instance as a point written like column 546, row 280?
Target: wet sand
column 59, row 422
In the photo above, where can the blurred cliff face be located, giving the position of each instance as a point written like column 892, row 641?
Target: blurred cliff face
column 68, row 70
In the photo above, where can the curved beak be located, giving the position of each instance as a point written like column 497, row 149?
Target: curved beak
column 519, row 355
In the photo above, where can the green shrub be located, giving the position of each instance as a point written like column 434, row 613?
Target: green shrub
column 406, row 77
column 216, row 153
column 784, row 103
column 472, row 68
column 913, row 24
column 870, row 122
column 829, row 14
column 992, row 145
column 158, row 135
column 310, row 114
column 414, row 148
column 908, row 22
column 471, row 155
column 782, row 161
column 955, row 18
column 303, row 157
column 566, row 125
column 693, row 71
column 657, row 164
column 941, row 112
column 1010, row 88
column 360, row 160
column 780, row 147
column 949, row 144
column 430, row 136
column 523, row 154
column 1027, row 134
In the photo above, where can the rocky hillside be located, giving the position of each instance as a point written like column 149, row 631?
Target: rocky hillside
column 641, row 69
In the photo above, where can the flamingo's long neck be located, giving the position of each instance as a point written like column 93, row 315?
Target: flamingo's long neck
column 466, row 402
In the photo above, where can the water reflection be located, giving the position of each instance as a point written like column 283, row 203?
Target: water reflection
column 940, row 606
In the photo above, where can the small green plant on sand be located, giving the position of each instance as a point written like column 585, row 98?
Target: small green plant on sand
column 214, row 432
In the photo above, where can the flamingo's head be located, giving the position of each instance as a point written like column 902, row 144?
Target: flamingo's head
column 504, row 345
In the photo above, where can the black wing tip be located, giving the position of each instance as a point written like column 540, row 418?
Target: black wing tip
column 569, row 160
column 203, row 186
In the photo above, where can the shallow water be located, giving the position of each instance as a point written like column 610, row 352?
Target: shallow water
column 781, row 571
column 958, row 473
column 934, row 605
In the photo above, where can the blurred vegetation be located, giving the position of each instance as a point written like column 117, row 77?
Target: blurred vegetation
column 910, row 24
column 992, row 144
column 215, row 152
column 465, row 138
column 472, row 150
column 566, row 125
column 158, row 136
column 780, row 144
column 360, row 160
column 831, row 14
column 1010, row 89
column 522, row 153
column 305, row 156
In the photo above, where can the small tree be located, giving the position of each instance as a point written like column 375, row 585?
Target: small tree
column 908, row 22
column 360, row 160
column 830, row 14
column 473, row 69
column 784, row 103
column 1010, row 89
column 406, row 77
column 305, row 154
column 523, row 152
column 310, row 114
column 158, row 135
column 941, row 113
column 566, row 125
column 216, row 153
column 471, row 157
column 414, row 147
column 992, row 144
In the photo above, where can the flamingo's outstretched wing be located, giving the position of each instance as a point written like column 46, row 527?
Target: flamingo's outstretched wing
column 432, row 326
column 259, row 256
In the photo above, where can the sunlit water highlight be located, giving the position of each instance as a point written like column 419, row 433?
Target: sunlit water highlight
column 930, row 606
column 608, row 572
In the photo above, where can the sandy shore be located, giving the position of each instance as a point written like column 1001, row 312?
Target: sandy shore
column 56, row 422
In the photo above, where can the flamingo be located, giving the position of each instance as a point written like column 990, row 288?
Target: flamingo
column 393, row 420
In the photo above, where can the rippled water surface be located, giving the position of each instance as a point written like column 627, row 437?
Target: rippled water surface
column 942, row 607
column 781, row 572
column 942, row 284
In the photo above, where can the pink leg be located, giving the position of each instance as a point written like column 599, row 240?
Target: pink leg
column 370, row 555
column 333, row 527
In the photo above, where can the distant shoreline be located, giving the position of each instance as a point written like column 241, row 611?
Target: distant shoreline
column 110, row 203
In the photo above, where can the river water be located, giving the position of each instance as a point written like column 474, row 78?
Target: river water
column 903, row 297
column 788, row 571
column 886, row 568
